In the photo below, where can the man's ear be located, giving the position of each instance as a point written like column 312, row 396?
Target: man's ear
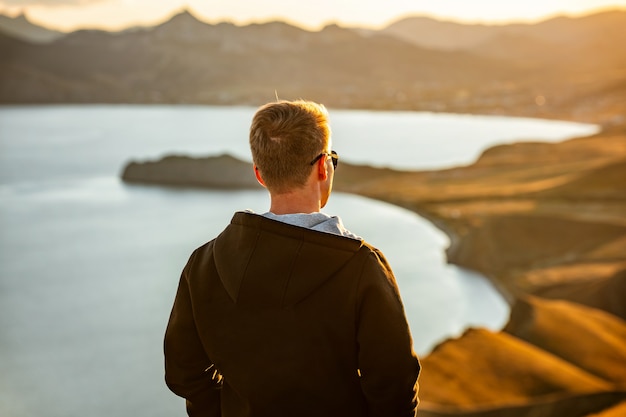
column 322, row 168
column 257, row 174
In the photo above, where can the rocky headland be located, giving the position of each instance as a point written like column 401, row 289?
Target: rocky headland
column 546, row 223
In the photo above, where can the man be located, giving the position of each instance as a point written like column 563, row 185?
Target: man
column 287, row 313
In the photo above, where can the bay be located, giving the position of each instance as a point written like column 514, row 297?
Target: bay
column 89, row 265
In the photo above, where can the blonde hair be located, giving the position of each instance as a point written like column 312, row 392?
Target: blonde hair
column 285, row 137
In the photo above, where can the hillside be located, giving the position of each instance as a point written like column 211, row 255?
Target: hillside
column 588, row 338
column 554, row 358
column 511, row 371
column 554, row 44
column 562, row 68
column 566, row 61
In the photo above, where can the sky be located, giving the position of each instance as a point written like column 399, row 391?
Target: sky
column 70, row 15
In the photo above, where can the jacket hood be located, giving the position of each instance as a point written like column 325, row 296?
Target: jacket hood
column 268, row 263
column 315, row 221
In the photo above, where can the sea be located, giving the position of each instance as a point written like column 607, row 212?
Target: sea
column 89, row 265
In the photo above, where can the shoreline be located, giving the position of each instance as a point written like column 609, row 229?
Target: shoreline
column 601, row 122
column 443, row 196
column 365, row 180
column 455, row 240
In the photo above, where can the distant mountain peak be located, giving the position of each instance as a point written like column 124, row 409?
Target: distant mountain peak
column 22, row 17
column 185, row 15
column 182, row 25
column 22, row 28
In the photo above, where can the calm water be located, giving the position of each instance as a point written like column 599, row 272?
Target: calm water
column 89, row 265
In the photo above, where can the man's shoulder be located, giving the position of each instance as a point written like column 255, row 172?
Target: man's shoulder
column 371, row 250
column 201, row 253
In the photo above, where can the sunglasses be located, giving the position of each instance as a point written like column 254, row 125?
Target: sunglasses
column 333, row 156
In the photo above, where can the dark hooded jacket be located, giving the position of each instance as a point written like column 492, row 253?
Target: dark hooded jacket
column 277, row 320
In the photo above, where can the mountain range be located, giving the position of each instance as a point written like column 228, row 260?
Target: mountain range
column 567, row 68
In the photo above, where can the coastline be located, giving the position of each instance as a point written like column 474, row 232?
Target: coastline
column 527, row 178
column 546, row 224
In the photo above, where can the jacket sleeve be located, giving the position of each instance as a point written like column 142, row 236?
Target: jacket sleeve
column 188, row 370
column 388, row 365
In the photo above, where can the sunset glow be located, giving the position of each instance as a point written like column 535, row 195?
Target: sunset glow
column 69, row 15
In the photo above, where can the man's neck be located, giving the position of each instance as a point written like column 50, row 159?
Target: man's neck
column 294, row 202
